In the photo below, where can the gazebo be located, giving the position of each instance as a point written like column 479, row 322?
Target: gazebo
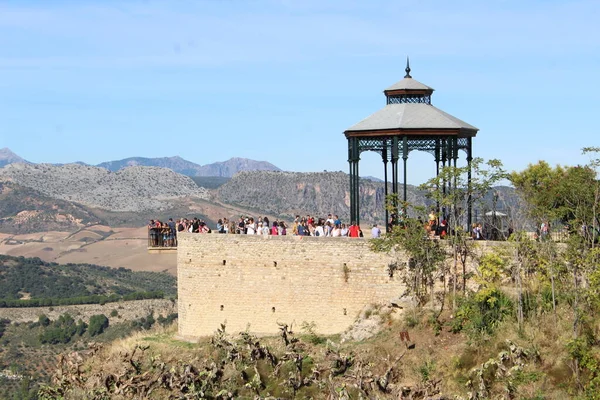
column 408, row 122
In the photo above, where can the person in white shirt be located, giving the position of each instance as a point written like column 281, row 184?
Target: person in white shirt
column 344, row 230
column 251, row 227
column 319, row 230
column 330, row 220
column 259, row 230
column 336, row 231
column 375, row 232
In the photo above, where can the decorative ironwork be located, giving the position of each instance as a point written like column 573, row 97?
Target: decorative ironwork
column 429, row 144
column 409, row 98
column 393, row 147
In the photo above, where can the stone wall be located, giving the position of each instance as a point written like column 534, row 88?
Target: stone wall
column 128, row 310
column 257, row 282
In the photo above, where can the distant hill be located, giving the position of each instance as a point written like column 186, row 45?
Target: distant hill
column 38, row 197
column 221, row 169
column 294, row 193
column 210, row 182
column 234, row 165
column 177, row 164
column 372, row 178
column 132, row 189
column 317, row 193
column 8, row 157
column 24, row 210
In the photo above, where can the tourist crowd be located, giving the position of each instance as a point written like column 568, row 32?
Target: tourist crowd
column 302, row 226
column 164, row 234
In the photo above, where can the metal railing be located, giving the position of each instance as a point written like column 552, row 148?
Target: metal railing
column 162, row 237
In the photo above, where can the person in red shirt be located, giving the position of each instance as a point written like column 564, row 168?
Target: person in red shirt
column 354, row 230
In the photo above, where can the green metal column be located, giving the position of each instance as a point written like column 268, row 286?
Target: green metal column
column 395, row 169
column 404, row 158
column 469, row 200
column 351, row 174
column 353, row 159
column 437, row 173
column 384, row 157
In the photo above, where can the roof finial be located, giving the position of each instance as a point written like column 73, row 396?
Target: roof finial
column 407, row 69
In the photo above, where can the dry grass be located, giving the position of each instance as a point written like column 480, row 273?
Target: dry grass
column 447, row 357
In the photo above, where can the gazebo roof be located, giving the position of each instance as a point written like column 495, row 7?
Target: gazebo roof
column 409, row 84
column 412, row 116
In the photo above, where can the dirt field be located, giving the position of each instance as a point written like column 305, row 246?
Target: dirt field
column 101, row 245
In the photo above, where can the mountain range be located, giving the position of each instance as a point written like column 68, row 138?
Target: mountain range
column 42, row 197
column 177, row 164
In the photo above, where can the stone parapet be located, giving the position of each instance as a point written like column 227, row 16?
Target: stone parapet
column 256, row 282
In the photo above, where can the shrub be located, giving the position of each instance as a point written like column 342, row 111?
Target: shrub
column 482, row 313
column 98, row 323
column 59, row 331
column 44, row 320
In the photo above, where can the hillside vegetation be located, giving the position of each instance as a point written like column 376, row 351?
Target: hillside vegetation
column 33, row 282
column 28, row 351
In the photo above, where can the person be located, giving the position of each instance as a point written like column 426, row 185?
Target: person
column 392, row 222
column 225, row 225
column 354, row 230
column 274, row 228
column 153, row 234
column 375, row 232
column 251, row 227
column 282, row 228
column 432, row 219
column 319, row 229
column 443, row 228
column 220, row 228
column 336, row 231
column 479, row 232
column 330, row 220
column 344, row 231
column 300, row 230
column 544, row 230
column 327, row 228
column 172, row 233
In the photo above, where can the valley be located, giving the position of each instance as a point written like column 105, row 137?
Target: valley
column 97, row 244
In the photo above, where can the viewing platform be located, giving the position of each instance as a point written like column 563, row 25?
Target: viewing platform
column 161, row 241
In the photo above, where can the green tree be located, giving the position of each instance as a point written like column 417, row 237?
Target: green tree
column 468, row 183
column 425, row 257
column 567, row 194
column 98, row 323
column 43, row 320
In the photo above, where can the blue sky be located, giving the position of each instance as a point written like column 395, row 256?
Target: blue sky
column 281, row 80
